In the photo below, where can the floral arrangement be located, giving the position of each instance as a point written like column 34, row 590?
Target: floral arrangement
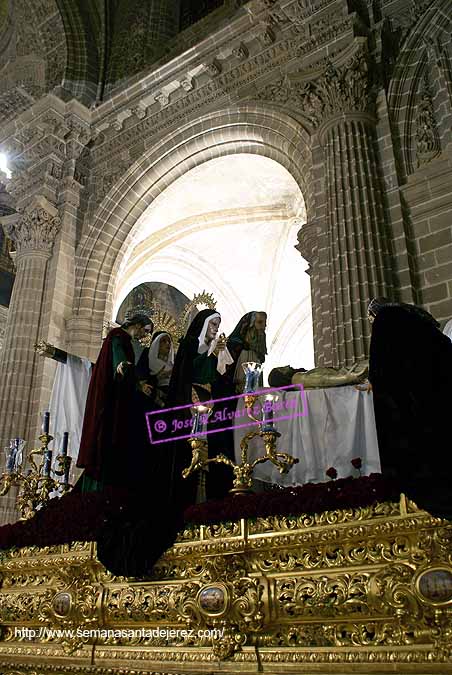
column 82, row 517
column 310, row 498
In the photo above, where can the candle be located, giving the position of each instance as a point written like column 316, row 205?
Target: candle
column 252, row 372
column 67, row 468
column 256, row 378
column 63, row 450
column 19, row 444
column 267, row 410
column 46, row 423
column 200, row 415
column 47, row 463
column 249, row 379
column 195, row 422
column 10, row 459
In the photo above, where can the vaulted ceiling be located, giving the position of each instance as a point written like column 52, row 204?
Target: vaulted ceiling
column 84, row 49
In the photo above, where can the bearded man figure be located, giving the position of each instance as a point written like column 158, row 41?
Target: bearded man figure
column 246, row 343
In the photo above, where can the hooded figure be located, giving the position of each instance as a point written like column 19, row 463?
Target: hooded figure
column 197, row 377
column 161, row 357
column 247, row 342
column 193, row 366
column 410, row 370
column 155, row 366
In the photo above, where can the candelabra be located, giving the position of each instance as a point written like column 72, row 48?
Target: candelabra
column 243, row 472
column 37, row 484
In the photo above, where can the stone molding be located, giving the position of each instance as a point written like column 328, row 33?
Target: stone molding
column 308, row 241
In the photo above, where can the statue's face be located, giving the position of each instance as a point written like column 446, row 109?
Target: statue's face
column 260, row 322
column 212, row 329
column 138, row 332
column 164, row 346
column 286, row 371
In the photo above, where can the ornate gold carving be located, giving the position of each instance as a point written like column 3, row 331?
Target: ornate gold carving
column 355, row 586
column 36, row 486
column 323, row 595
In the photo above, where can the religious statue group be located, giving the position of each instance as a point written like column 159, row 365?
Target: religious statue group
column 409, row 372
column 129, row 380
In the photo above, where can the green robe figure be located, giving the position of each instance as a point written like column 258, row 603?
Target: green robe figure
column 109, row 421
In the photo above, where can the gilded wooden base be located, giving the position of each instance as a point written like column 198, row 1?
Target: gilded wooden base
column 364, row 590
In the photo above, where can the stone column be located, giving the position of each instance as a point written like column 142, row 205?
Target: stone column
column 33, row 231
column 340, row 104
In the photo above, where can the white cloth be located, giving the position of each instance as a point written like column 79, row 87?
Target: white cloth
column 339, row 426
column 162, row 369
column 224, row 358
column 67, row 402
column 202, row 336
column 447, row 330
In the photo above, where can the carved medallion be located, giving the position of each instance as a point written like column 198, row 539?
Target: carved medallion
column 213, row 599
column 435, row 585
column 61, row 604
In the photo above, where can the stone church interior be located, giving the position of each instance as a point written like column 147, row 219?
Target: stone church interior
column 225, row 337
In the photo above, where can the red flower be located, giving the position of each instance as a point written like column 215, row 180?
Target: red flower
column 357, row 463
column 331, row 473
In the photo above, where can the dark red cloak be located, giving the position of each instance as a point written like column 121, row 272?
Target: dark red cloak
column 109, row 415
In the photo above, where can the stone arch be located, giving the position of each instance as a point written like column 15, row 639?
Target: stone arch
column 434, row 26
column 251, row 128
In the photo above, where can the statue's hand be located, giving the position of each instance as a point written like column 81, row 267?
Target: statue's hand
column 146, row 388
column 221, row 345
column 122, row 367
column 367, row 386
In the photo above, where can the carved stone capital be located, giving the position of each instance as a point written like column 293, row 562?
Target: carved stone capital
column 34, row 229
column 340, row 90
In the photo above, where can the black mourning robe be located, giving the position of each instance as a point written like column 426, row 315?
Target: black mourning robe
column 411, row 374
column 190, row 370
